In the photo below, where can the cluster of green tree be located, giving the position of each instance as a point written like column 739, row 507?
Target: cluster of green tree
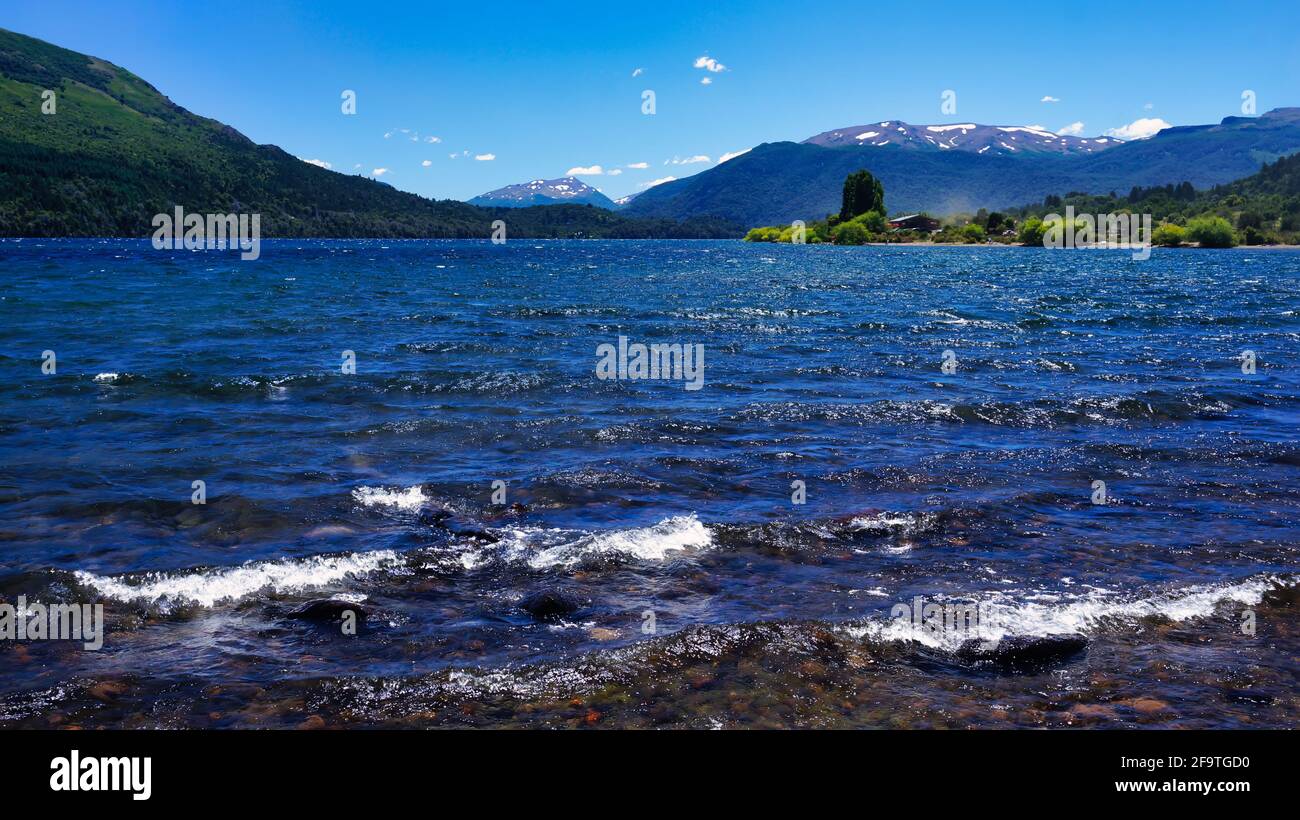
column 115, row 152
column 1261, row 209
column 862, row 220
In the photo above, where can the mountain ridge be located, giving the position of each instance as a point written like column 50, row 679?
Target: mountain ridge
column 544, row 192
column 782, row 181
column 966, row 136
column 116, row 151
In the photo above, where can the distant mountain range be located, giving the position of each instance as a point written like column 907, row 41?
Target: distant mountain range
column 115, row 152
column 965, row 167
column 1004, row 140
column 566, row 190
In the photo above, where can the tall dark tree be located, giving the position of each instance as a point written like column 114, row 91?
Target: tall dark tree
column 862, row 193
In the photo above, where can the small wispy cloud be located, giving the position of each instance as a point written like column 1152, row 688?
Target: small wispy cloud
column 1074, row 129
column 614, row 172
column 706, row 81
column 485, row 157
column 1148, row 106
column 412, row 135
column 637, row 72
column 1049, row 99
column 687, row 160
column 652, row 183
column 638, row 165
column 427, row 163
column 379, row 172
column 319, row 163
column 1139, row 129
column 709, row 64
column 732, row 155
column 585, row 171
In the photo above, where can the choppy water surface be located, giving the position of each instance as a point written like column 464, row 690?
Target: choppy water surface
column 639, row 504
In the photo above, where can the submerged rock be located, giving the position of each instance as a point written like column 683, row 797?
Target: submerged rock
column 548, row 605
column 1022, row 653
column 327, row 610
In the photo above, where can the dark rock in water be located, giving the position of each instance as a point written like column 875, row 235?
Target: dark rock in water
column 1022, row 653
column 1282, row 596
column 327, row 610
column 434, row 518
column 1248, row 696
column 479, row 535
column 549, row 605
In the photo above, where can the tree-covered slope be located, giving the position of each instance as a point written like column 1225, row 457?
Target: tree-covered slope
column 116, row 152
column 1264, row 208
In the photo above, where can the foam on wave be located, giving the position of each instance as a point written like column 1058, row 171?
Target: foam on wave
column 550, row 548
column 1001, row 615
column 412, row 498
column 207, row 588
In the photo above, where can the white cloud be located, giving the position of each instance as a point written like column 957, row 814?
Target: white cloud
column 655, row 182
column 706, row 81
column 1148, row 106
column 1050, row 98
column 427, row 163
column 379, row 172
column 709, row 64
column 687, row 160
column 388, row 134
column 432, row 140
column 1074, row 129
column 732, row 155
column 319, row 163
column 637, row 72
column 1139, row 129
column 614, row 171
column 587, row 171
column 485, row 157
column 638, row 165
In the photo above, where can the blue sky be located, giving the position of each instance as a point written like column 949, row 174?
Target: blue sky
column 545, row 90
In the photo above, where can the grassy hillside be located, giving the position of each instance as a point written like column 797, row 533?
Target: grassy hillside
column 116, row 152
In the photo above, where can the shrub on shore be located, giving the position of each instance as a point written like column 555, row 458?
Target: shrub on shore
column 1211, row 232
column 1168, row 236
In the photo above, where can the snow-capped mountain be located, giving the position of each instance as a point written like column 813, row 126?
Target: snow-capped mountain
column 1006, row 140
column 544, row 192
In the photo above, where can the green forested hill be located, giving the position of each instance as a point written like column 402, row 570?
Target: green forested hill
column 1264, row 207
column 116, row 152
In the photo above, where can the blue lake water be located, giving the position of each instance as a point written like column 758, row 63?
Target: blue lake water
column 647, row 565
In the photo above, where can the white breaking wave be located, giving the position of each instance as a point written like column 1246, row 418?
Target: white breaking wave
column 548, row 548
column 1000, row 615
column 106, row 377
column 412, row 498
column 209, row 587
